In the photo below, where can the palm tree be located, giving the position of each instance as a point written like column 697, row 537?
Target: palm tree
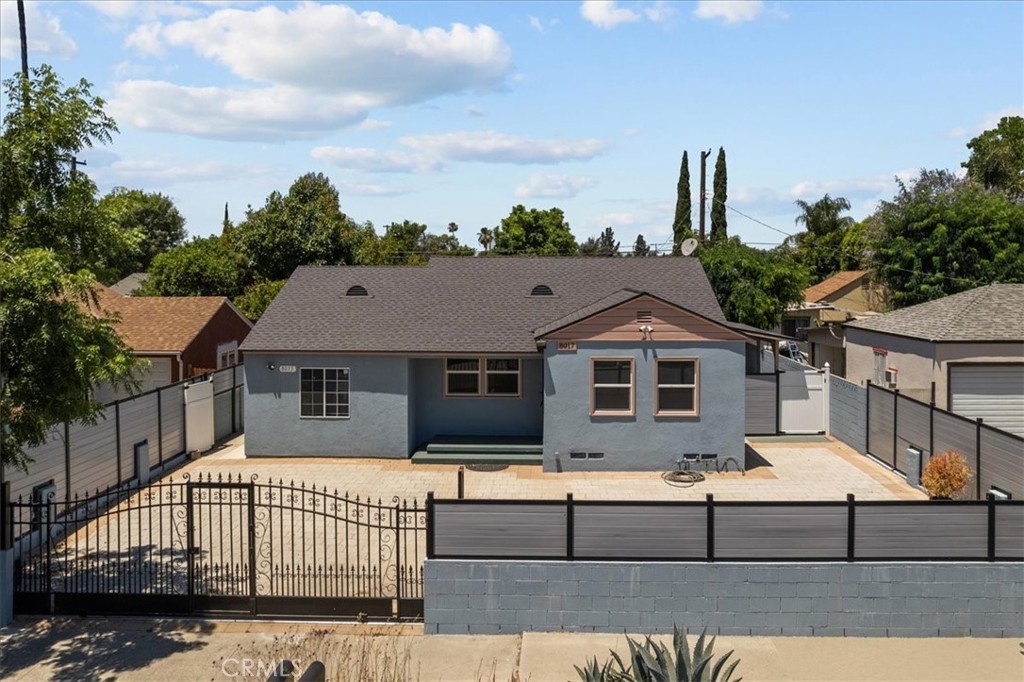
column 486, row 238
column 823, row 216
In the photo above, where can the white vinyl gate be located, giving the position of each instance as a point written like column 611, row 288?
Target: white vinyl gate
column 803, row 401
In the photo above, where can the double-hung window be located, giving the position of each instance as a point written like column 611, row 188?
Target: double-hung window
column 612, row 386
column 678, row 387
column 494, row 377
column 324, row 392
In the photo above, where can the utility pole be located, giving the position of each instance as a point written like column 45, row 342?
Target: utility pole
column 703, row 190
column 24, row 39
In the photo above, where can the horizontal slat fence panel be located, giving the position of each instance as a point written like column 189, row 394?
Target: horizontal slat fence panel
column 94, row 455
column 47, row 463
column 957, row 433
column 1002, row 462
column 761, row 403
column 640, row 531
column 928, row 531
column 173, row 423
column 913, row 427
column 222, row 380
column 222, row 414
column 780, row 532
column 1009, row 532
column 138, row 423
column 848, row 412
column 495, row 530
column 880, row 424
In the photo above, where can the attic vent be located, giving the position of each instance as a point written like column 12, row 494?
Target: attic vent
column 542, row 290
column 644, row 316
column 357, row 291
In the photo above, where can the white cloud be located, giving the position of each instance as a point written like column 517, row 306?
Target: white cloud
column 375, row 161
column 353, row 188
column 957, row 132
column 272, row 113
column 536, row 24
column 474, row 110
column 729, row 11
column 606, row 14
column 881, row 185
column 352, row 62
column 164, row 173
column 42, row 29
column 631, row 132
column 660, row 12
column 542, row 185
column 494, row 147
column 374, row 124
column 617, row 219
column 992, row 120
column 124, row 10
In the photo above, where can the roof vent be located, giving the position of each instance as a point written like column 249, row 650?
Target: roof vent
column 644, row 316
column 542, row 290
column 357, row 291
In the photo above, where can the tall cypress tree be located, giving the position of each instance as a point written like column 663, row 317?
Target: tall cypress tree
column 718, row 199
column 682, row 225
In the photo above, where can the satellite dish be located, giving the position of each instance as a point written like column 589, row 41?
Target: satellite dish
column 688, row 245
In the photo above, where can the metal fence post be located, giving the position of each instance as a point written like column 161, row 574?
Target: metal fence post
column 778, row 402
column 6, row 516
column 895, row 423
column 462, row 483
column 991, row 526
column 159, row 427
column 252, row 547
column 931, row 424
column 826, row 405
column 117, row 433
column 851, row 526
column 867, row 418
column 67, row 462
column 977, row 451
column 711, row 526
column 430, row 525
column 398, row 556
column 570, row 527
column 234, row 426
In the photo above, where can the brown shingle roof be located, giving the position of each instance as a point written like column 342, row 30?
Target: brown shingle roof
column 461, row 304
column 832, row 285
column 988, row 313
column 159, row 323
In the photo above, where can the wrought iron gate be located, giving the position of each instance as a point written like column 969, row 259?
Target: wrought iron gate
column 224, row 546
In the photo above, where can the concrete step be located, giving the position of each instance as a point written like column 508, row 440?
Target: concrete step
column 453, row 445
column 508, row 458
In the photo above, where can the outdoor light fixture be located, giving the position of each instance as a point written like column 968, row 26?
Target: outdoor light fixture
column 270, row 366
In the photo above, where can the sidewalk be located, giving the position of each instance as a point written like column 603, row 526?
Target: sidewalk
column 65, row 649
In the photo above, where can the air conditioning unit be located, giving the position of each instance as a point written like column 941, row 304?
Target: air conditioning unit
column 890, row 376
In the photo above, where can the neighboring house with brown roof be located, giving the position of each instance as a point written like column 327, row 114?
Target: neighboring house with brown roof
column 180, row 336
column 597, row 363
column 842, row 297
column 969, row 345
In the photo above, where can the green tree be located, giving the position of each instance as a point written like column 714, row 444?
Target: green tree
column 151, row 216
column 820, row 246
column 719, row 196
column 486, row 238
column 304, row 227
column 535, row 232
column 409, row 243
column 52, row 350
column 201, row 267
column 603, row 245
column 942, row 235
column 257, row 297
column 640, row 247
column 682, row 224
column 753, row 286
column 997, row 157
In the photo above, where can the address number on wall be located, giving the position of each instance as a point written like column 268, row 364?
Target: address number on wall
column 567, row 346
column 287, row 369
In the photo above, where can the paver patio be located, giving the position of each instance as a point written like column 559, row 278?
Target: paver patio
column 790, row 471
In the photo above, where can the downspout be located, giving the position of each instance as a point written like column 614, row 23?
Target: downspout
column 181, row 368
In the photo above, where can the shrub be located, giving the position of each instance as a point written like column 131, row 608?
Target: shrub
column 946, row 475
column 654, row 662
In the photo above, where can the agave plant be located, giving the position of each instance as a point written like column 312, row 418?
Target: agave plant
column 653, row 662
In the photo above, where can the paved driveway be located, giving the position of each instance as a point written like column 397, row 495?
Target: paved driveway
column 784, row 471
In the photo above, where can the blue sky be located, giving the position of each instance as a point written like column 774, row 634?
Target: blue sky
column 439, row 112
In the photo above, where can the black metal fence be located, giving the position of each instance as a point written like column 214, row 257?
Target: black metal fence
column 713, row 530
column 895, row 422
column 223, row 546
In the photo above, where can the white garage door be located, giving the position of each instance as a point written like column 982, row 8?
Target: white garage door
column 993, row 392
column 159, row 374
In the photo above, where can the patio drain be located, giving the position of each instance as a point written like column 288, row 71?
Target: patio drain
column 487, row 467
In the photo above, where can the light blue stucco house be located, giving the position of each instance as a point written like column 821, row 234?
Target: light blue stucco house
column 600, row 363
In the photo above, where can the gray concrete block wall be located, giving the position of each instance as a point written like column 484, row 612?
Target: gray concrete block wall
column 834, row 599
column 848, row 412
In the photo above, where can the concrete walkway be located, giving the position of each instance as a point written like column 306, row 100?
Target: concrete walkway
column 778, row 470
column 154, row 650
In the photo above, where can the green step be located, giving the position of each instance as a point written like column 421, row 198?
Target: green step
column 427, row 457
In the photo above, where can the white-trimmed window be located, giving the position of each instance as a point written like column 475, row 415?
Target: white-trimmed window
column 492, row 377
column 461, row 376
column 612, row 382
column 678, row 387
column 501, row 377
column 324, row 392
column 227, row 354
column 880, row 357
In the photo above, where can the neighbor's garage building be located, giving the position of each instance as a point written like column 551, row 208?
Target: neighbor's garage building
column 971, row 345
